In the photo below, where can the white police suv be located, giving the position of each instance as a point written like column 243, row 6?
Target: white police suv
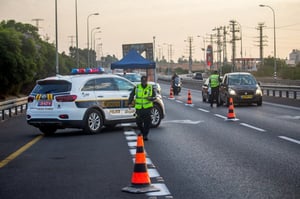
column 85, row 101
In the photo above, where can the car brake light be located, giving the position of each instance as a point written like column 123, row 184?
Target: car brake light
column 30, row 99
column 66, row 98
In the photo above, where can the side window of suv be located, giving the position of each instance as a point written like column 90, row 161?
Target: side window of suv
column 123, row 85
column 89, row 86
column 105, row 84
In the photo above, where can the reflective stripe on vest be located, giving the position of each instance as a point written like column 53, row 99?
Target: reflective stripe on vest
column 142, row 94
column 214, row 81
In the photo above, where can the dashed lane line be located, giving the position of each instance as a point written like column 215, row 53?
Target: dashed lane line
column 253, row 127
column 20, row 151
column 203, row 110
column 289, row 139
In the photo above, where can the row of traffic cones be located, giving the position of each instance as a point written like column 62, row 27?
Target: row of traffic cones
column 140, row 180
column 189, row 98
column 230, row 115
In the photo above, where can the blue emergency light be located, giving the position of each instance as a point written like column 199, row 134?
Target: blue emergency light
column 87, row 70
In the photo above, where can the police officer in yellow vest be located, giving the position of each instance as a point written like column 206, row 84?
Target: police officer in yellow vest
column 214, row 82
column 144, row 97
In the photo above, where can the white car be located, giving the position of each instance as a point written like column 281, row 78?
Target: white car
column 86, row 101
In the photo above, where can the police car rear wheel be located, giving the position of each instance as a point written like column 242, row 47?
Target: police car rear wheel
column 93, row 121
column 156, row 115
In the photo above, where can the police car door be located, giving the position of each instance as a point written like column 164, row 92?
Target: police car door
column 110, row 99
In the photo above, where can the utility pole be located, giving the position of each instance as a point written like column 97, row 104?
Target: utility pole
column 224, row 46
column 219, row 45
column 190, row 40
column 261, row 42
column 233, row 30
column 72, row 40
column 37, row 22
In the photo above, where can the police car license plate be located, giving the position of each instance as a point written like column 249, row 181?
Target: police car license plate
column 45, row 103
column 246, row 96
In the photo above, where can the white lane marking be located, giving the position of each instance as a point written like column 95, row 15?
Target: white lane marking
column 152, row 172
column 220, row 116
column 253, row 127
column 179, row 101
column 163, row 190
column 203, row 110
column 289, row 139
column 296, row 117
column 183, row 121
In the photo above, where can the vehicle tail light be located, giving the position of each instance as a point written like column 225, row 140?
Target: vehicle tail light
column 30, row 99
column 66, row 98
column 64, row 116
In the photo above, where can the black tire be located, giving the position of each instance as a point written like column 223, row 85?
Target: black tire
column 48, row 130
column 156, row 116
column 93, row 122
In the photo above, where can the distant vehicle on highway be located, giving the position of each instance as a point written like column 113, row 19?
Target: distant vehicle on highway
column 198, row 76
column 242, row 87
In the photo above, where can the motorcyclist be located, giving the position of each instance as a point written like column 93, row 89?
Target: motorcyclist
column 176, row 83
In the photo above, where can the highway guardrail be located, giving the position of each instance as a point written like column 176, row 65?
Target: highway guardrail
column 9, row 107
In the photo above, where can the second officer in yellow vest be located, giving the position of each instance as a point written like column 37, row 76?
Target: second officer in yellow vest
column 214, row 82
column 144, row 97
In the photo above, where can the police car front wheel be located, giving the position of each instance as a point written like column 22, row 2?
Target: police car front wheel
column 93, row 121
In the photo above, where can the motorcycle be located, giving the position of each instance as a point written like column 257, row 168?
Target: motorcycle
column 176, row 85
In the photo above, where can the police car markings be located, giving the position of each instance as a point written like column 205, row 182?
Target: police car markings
column 152, row 172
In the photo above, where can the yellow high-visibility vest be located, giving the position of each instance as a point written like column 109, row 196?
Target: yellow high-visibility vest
column 142, row 96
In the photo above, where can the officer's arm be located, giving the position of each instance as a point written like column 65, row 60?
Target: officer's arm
column 153, row 96
column 131, row 96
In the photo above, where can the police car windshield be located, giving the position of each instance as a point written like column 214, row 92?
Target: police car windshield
column 133, row 77
column 241, row 80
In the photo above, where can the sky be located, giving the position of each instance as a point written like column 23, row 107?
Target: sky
column 171, row 22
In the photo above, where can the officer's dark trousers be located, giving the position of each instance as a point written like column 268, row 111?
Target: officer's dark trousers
column 143, row 120
column 214, row 96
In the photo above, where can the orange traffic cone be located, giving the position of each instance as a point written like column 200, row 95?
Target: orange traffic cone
column 189, row 99
column 140, row 180
column 231, row 114
column 171, row 93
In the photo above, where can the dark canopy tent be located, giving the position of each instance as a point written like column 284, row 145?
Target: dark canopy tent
column 133, row 60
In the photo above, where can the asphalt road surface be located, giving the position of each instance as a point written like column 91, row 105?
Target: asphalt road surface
column 195, row 153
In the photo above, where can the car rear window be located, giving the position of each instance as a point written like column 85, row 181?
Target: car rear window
column 57, row 86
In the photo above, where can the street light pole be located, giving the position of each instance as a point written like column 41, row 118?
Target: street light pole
column 88, row 32
column 77, row 53
column 92, row 41
column 204, row 52
column 56, row 39
column 275, row 66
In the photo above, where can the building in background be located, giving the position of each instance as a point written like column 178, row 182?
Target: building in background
column 294, row 58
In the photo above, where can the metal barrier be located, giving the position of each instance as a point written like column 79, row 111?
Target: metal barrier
column 291, row 92
column 15, row 104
